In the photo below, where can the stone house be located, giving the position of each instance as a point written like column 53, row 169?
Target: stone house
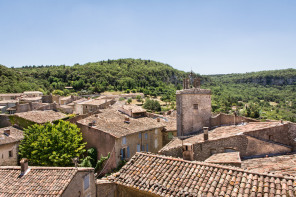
column 193, row 110
column 34, row 181
column 92, row 105
column 25, row 119
column 7, row 105
column 33, row 94
column 133, row 111
column 10, row 138
column 158, row 175
column 122, row 136
column 251, row 139
column 10, row 96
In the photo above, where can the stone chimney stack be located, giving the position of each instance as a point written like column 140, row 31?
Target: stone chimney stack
column 196, row 83
column 188, row 151
column 7, row 132
column 186, row 83
column 206, row 133
column 24, row 166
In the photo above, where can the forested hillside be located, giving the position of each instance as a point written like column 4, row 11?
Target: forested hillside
column 266, row 94
column 141, row 75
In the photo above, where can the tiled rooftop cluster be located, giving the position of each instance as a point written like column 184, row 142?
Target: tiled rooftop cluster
column 224, row 132
column 38, row 181
column 117, row 124
column 133, row 108
column 95, row 101
column 279, row 165
column 14, row 136
column 41, row 116
column 167, row 176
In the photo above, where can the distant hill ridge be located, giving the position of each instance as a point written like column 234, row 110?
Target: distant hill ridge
column 273, row 77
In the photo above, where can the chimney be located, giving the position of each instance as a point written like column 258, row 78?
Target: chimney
column 188, row 151
column 24, row 166
column 282, row 122
column 7, row 132
column 158, row 119
column 206, row 133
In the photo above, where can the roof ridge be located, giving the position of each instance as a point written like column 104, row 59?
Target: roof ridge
column 216, row 165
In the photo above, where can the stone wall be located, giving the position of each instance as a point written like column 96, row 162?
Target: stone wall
column 229, row 119
column 154, row 142
column 4, row 120
column 105, row 188
column 5, row 159
column 76, row 186
column 292, row 135
column 260, row 147
column 103, row 142
column 193, row 110
column 47, row 99
column 278, row 134
column 204, row 150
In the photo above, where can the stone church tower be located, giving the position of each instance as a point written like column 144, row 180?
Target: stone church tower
column 193, row 108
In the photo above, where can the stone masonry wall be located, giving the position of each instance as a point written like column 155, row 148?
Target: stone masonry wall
column 76, row 186
column 4, row 120
column 103, row 142
column 228, row 119
column 277, row 134
column 193, row 112
column 5, row 160
column 204, row 150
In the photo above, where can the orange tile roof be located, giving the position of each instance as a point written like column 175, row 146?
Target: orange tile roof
column 167, row 176
column 38, row 181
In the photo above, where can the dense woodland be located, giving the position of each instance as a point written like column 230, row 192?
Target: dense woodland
column 264, row 95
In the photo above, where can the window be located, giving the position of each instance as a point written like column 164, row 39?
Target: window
column 195, row 106
column 170, row 135
column 86, row 182
column 10, row 153
column 147, row 147
column 138, row 148
column 146, row 136
column 156, row 143
column 143, row 147
column 270, row 137
column 140, row 135
column 156, row 131
column 128, row 152
column 122, row 153
column 124, row 140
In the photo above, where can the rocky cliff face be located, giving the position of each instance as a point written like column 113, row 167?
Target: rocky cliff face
column 270, row 80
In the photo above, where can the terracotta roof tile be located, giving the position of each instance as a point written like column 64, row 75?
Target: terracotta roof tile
column 41, row 116
column 44, row 181
column 15, row 135
column 113, row 122
column 167, row 176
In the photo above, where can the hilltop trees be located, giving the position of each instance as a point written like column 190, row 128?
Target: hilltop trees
column 52, row 144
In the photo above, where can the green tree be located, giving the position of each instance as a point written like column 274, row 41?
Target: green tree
column 52, row 144
column 129, row 101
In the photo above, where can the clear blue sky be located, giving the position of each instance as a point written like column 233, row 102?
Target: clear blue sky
column 209, row 36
